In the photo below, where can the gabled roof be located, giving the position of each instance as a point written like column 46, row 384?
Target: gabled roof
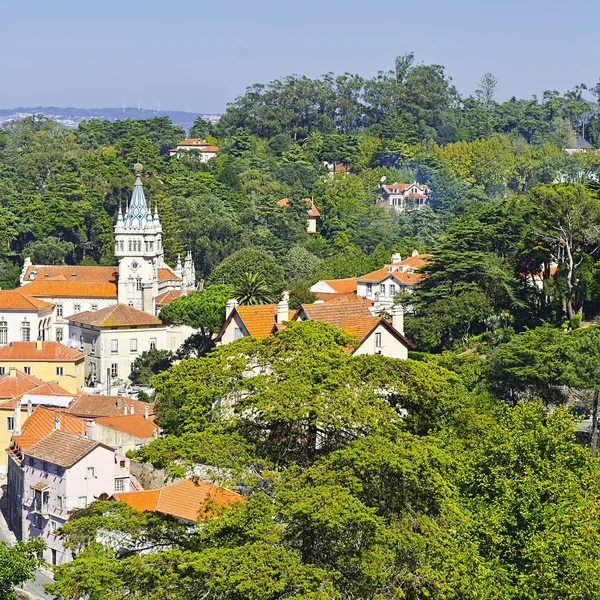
column 167, row 297
column 167, row 274
column 258, row 320
column 402, row 187
column 49, row 352
column 400, row 270
column 342, row 286
column 119, row 315
column 18, row 300
column 582, row 144
column 20, row 383
column 41, row 394
column 94, row 405
column 71, row 289
column 75, row 274
column 183, row 499
column 334, row 312
column 135, row 425
column 194, row 142
column 330, row 298
column 41, row 423
column 62, row 448
column 312, row 211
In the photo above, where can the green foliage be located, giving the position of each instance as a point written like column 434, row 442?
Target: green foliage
column 17, row 564
column 252, row 288
column 149, row 363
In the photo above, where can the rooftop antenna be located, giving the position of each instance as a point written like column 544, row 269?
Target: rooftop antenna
column 158, row 107
column 123, row 106
column 139, row 104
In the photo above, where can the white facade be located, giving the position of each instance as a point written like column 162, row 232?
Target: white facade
column 26, row 325
column 401, row 196
column 382, row 341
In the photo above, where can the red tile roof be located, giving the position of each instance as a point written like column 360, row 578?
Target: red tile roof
column 167, row 274
column 312, row 211
column 71, row 289
column 334, row 312
column 94, row 405
column 329, row 298
column 50, row 388
column 413, row 263
column 50, row 351
column 402, row 187
column 41, row 423
column 342, row 286
column 193, row 142
column 184, row 499
column 135, row 425
column 167, row 297
column 72, row 273
column 119, row 315
column 62, row 448
column 18, row 300
column 20, row 383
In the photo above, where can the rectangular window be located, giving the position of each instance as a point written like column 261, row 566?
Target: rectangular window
column 59, row 502
column 119, row 487
column 59, row 334
column 45, row 466
column 114, row 370
column 133, row 345
column 76, row 308
column 369, row 289
column 2, row 370
column 39, row 523
column 10, row 423
column 90, row 473
column 152, row 343
column 382, row 289
column 122, row 464
column 82, row 502
column 114, row 346
column 93, row 349
column 25, row 332
column 237, row 332
column 60, row 371
column 27, row 370
column 3, row 332
column 129, row 245
column 93, row 369
column 53, row 526
column 392, row 290
column 94, row 307
column 378, row 340
column 59, row 311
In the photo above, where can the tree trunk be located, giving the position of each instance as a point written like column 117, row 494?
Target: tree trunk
column 594, row 443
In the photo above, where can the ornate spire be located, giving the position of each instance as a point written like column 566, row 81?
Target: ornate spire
column 137, row 212
column 120, row 217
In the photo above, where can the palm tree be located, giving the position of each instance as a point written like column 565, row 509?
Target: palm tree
column 252, row 288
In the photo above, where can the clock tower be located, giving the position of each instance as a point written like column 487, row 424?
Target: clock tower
column 138, row 247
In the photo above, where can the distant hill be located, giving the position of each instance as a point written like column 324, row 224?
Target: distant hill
column 70, row 117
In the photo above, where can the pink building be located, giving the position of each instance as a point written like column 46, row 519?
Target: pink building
column 61, row 473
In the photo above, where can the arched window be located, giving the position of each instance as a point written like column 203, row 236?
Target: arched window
column 3, row 332
column 25, row 331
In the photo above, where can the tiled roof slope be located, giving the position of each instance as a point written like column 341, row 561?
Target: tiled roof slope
column 329, row 298
column 18, row 300
column 62, row 448
column 119, row 315
column 94, row 405
column 135, row 425
column 72, row 289
column 165, row 274
column 71, row 273
column 334, row 312
column 21, row 383
column 41, row 423
column 50, row 351
column 167, row 297
column 342, row 286
column 183, row 499
column 44, row 389
column 260, row 319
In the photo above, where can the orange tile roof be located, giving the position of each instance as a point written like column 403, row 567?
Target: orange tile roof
column 342, row 286
column 166, row 274
column 71, row 289
column 134, row 424
column 328, row 298
column 41, row 423
column 18, row 300
column 338, row 168
column 119, row 315
column 20, row 383
column 50, row 351
column 184, row 499
column 209, row 149
column 167, row 297
column 312, row 211
column 50, row 388
column 259, row 319
column 62, row 448
column 405, row 276
column 334, row 312
column 72, row 273
column 402, row 187
column 193, row 142
column 94, row 405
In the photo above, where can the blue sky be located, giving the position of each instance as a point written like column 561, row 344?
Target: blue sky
column 197, row 55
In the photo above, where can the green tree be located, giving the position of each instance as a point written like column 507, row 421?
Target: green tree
column 252, row 288
column 17, row 564
column 149, row 363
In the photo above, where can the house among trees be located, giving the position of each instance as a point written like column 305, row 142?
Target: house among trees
column 312, row 211
column 580, row 145
column 404, row 196
column 203, row 149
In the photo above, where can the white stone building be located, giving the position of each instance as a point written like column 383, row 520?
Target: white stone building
column 404, row 196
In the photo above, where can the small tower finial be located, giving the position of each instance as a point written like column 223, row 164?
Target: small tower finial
column 138, row 167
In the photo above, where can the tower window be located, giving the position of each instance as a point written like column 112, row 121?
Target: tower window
column 138, row 284
column 25, row 331
column 129, row 245
column 3, row 332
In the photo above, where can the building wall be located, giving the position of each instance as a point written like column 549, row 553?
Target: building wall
column 383, row 292
column 71, row 380
column 230, row 333
column 70, row 484
column 6, row 434
column 391, row 346
column 14, row 495
column 40, row 323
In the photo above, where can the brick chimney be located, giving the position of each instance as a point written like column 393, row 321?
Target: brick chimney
column 90, row 430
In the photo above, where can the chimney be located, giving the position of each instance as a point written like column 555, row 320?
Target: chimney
column 146, row 411
column 131, row 409
column 29, row 407
column 124, row 408
column 12, row 372
column 396, row 258
column 17, row 419
column 415, row 253
column 90, row 430
column 148, row 304
column 231, row 304
column 398, row 318
column 283, row 309
column 38, row 344
column 119, row 402
column 56, row 423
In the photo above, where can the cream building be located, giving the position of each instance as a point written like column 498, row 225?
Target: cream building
column 24, row 318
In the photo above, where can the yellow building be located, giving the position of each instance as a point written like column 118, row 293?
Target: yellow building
column 48, row 361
